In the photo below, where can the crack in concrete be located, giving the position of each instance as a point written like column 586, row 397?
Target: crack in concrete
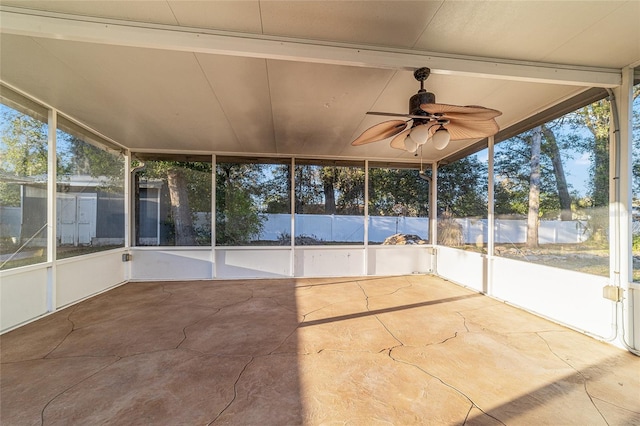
column 377, row 318
column 401, row 344
column 184, row 329
column 73, row 328
column 585, row 380
column 398, row 289
column 460, row 392
column 616, row 405
column 464, row 321
column 455, row 334
column 74, row 385
column 464, row 422
column 235, row 393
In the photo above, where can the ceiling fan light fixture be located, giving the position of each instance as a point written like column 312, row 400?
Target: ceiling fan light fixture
column 441, row 138
column 410, row 145
column 420, row 134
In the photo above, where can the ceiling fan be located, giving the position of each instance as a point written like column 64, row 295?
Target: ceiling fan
column 427, row 120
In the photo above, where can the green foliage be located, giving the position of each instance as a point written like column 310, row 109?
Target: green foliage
column 238, row 217
column 195, row 179
column 390, row 189
column 512, row 166
column 77, row 157
column 23, row 154
column 462, row 188
column 636, row 244
column 23, row 145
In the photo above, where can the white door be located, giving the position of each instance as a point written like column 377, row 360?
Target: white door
column 86, row 217
column 66, row 213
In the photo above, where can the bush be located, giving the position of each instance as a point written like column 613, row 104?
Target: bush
column 635, row 246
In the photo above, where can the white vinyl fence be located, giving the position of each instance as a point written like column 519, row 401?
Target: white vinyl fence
column 351, row 229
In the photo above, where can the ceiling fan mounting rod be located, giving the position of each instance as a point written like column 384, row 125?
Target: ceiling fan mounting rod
column 421, row 74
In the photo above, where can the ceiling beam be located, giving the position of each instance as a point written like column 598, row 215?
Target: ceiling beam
column 33, row 23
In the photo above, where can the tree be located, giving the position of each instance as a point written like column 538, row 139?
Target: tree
column 180, row 210
column 239, row 189
column 23, row 153
column 389, row 188
column 189, row 190
column 462, row 188
column 328, row 178
column 553, row 151
column 595, row 117
column 512, row 165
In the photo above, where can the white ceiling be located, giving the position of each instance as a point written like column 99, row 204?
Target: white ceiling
column 172, row 99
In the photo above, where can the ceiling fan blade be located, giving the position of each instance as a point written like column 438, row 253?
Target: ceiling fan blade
column 398, row 141
column 386, row 114
column 380, row 131
column 470, row 129
column 457, row 112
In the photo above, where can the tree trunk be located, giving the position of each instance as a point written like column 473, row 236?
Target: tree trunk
column 601, row 172
column 180, row 210
column 558, row 170
column 328, row 178
column 534, row 189
column 596, row 118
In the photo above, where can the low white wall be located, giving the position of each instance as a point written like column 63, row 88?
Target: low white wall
column 265, row 262
column 399, row 260
column 83, row 276
column 463, row 267
column 25, row 291
column 632, row 317
column 333, row 261
column 23, row 295
column 273, row 262
column 171, row 263
column 568, row 297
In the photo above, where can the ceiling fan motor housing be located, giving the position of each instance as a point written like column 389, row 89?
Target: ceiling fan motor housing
column 422, row 97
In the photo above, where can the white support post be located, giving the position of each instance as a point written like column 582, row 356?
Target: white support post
column 52, row 123
column 433, row 206
column 366, row 217
column 490, row 217
column 490, row 200
column 624, row 99
column 128, row 211
column 622, row 206
column 292, row 201
column 214, row 264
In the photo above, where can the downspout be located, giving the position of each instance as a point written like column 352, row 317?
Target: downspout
column 136, row 201
column 619, row 305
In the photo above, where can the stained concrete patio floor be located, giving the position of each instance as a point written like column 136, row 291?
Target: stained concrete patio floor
column 352, row 351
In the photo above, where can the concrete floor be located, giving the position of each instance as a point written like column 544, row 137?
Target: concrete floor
column 368, row 351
